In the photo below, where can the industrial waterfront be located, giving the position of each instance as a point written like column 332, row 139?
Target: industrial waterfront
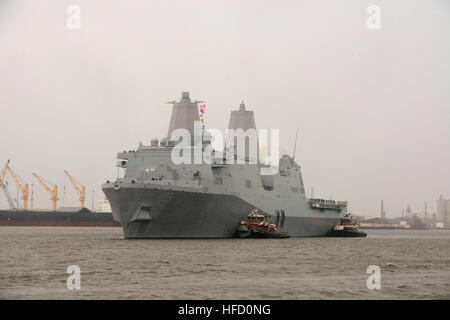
column 20, row 213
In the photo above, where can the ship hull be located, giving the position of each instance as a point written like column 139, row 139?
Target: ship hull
column 346, row 234
column 156, row 213
column 11, row 218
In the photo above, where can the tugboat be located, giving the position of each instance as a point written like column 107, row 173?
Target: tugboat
column 347, row 228
column 256, row 226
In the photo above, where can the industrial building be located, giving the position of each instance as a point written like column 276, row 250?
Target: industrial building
column 443, row 212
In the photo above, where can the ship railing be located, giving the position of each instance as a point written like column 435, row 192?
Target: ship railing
column 327, row 204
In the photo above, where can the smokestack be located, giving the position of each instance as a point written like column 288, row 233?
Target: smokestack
column 425, row 209
column 383, row 213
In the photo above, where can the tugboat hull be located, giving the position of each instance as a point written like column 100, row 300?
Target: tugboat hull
column 277, row 235
column 262, row 235
column 346, row 233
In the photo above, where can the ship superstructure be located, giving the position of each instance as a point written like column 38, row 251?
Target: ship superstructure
column 159, row 199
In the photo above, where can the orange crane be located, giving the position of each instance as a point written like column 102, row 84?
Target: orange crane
column 53, row 192
column 3, row 185
column 22, row 187
column 81, row 190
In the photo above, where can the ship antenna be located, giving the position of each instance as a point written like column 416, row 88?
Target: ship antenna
column 295, row 146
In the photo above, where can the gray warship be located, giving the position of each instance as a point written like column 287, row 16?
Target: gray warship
column 159, row 199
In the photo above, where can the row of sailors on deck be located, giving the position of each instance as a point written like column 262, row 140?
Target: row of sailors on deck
column 323, row 201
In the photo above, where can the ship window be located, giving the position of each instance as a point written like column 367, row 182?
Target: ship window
column 294, row 189
column 248, row 183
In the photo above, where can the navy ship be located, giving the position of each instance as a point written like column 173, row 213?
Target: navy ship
column 157, row 198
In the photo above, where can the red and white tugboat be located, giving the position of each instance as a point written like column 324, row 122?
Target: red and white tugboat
column 256, row 226
column 347, row 228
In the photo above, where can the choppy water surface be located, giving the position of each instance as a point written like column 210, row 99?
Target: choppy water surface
column 33, row 263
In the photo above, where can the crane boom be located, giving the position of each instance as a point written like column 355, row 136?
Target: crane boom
column 23, row 188
column 80, row 190
column 4, row 187
column 53, row 192
column 8, row 197
column 3, row 173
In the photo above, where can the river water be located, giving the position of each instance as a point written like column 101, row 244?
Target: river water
column 34, row 261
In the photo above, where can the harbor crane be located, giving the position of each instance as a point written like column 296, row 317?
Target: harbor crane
column 80, row 189
column 23, row 187
column 4, row 186
column 53, row 192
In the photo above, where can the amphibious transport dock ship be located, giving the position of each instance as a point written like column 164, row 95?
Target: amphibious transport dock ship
column 159, row 199
column 78, row 217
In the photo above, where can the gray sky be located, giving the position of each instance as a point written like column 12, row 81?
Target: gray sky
column 372, row 106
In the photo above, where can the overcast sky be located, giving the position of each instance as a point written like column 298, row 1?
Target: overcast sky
column 372, row 106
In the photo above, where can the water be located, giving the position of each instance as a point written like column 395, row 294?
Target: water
column 33, row 263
